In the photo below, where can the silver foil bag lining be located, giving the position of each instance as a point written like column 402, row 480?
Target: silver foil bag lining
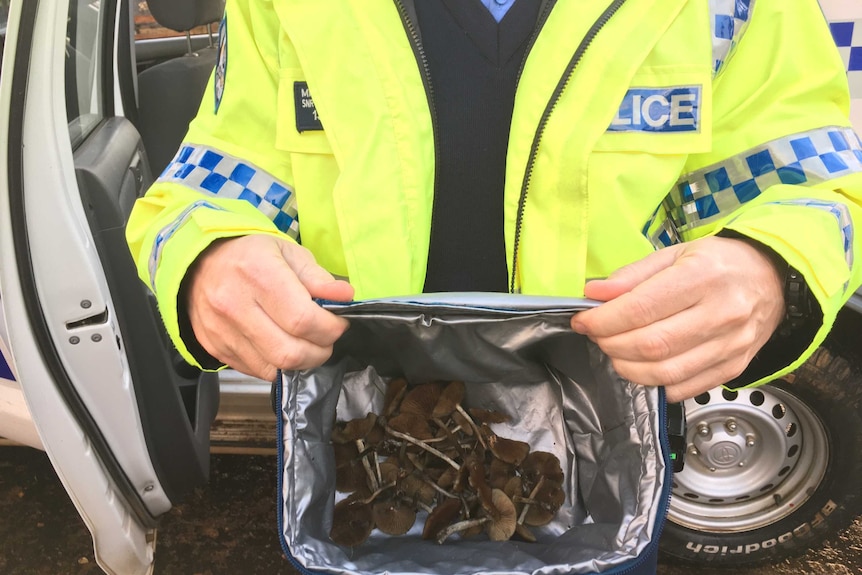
column 562, row 395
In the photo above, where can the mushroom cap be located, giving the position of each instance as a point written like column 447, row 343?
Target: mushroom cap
column 417, row 488
column 513, row 487
column 499, row 473
column 524, row 533
column 550, row 496
column 503, row 518
column 542, row 464
column 450, row 398
column 353, row 429
column 487, row 416
column 351, row 523
column 441, row 517
column 409, row 424
column 421, row 399
column 394, row 392
column 350, row 476
column 392, row 517
column 463, row 423
column 509, row 450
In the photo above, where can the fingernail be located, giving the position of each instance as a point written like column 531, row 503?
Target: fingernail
column 579, row 327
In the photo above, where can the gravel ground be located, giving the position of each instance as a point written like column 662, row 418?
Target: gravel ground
column 230, row 527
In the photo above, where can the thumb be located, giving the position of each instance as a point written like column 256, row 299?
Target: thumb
column 626, row 278
column 319, row 282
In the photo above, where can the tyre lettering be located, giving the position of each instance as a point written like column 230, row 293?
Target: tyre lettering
column 798, row 532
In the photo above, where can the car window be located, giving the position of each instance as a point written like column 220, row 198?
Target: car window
column 146, row 27
column 84, row 94
column 4, row 17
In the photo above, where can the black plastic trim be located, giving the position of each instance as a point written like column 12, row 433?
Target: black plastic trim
column 24, row 262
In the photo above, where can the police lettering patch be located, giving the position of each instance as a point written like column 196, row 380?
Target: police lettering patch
column 221, row 65
column 659, row 110
column 307, row 119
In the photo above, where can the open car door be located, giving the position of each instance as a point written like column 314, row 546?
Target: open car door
column 124, row 422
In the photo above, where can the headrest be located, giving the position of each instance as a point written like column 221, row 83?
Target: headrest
column 183, row 15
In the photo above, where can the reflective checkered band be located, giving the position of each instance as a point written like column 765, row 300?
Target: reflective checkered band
column 714, row 192
column 728, row 20
column 842, row 216
column 214, row 173
column 848, row 38
column 168, row 231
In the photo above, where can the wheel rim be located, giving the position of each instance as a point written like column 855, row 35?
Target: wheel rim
column 753, row 457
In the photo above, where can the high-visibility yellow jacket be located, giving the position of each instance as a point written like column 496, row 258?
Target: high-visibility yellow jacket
column 637, row 123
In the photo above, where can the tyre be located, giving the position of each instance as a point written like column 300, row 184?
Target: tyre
column 770, row 471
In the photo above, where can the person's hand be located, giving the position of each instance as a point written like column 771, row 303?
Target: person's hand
column 250, row 305
column 689, row 317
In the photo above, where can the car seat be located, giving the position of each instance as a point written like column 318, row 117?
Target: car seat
column 169, row 93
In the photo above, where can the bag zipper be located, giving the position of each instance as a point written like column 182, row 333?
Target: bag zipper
column 666, row 493
column 514, row 287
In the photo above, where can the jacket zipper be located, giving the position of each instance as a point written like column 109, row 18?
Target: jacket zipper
column 422, row 59
column 549, row 109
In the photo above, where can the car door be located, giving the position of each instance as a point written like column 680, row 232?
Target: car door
column 124, row 422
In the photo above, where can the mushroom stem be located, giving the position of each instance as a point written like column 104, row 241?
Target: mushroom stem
column 441, row 490
column 460, row 526
column 374, row 495
column 472, row 423
column 424, row 446
column 531, row 501
column 360, row 445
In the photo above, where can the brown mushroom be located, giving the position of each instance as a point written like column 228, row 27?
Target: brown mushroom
column 508, row 450
column 450, row 398
column 351, row 523
column 487, row 416
column 444, row 514
column 423, row 445
column 421, row 400
column 541, row 464
column 354, row 429
column 499, row 522
column 412, row 425
column 350, row 475
column 392, row 517
column 394, row 393
column 543, row 503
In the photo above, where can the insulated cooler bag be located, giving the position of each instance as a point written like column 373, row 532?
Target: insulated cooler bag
column 516, row 355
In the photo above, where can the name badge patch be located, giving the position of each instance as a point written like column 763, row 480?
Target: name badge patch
column 674, row 109
column 306, row 113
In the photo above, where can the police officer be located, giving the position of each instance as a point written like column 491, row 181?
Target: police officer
column 697, row 155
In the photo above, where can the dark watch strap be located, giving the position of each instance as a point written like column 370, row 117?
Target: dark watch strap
column 798, row 308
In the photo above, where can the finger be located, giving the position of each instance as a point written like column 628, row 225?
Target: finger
column 669, row 337
column 713, row 363
column 626, row 278
column 268, row 348
column 667, row 293
column 287, row 301
column 319, row 282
